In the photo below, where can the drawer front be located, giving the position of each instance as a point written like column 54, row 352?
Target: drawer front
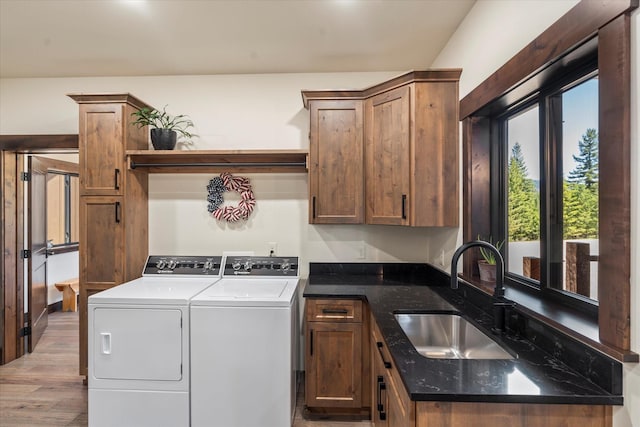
column 331, row 310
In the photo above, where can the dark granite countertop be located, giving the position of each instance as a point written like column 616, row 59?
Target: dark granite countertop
column 534, row 377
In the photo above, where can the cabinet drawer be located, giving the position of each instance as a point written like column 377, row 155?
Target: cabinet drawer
column 334, row 310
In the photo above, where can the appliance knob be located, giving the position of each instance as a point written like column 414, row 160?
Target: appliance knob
column 208, row 265
column 172, row 264
column 161, row 264
column 285, row 266
column 247, row 266
column 236, row 265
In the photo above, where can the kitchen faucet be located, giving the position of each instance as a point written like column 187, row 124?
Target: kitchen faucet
column 499, row 302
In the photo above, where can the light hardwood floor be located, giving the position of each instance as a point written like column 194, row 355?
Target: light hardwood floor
column 43, row 388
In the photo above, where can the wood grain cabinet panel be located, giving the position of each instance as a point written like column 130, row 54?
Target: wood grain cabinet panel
column 409, row 157
column 387, row 166
column 336, row 177
column 337, row 358
column 113, row 211
column 334, row 373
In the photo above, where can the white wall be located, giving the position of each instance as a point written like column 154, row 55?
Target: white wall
column 60, row 267
column 230, row 112
column 485, row 26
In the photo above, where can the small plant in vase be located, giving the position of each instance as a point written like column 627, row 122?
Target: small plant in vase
column 487, row 265
column 164, row 127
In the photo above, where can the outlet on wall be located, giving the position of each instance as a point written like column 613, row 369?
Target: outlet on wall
column 272, row 248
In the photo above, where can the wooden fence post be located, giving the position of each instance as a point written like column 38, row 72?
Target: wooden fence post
column 578, row 269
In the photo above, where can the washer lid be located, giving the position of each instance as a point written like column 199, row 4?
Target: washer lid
column 251, row 292
column 154, row 290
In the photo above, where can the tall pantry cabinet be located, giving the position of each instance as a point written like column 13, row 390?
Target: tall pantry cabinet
column 113, row 199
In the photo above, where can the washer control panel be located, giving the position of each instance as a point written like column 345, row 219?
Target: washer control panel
column 182, row 265
column 260, row 266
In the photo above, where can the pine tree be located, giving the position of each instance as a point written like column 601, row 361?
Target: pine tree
column 586, row 170
column 580, row 191
column 524, row 212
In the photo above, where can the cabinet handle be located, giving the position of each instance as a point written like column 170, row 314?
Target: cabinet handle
column 382, row 415
column 311, row 342
column 116, row 185
column 335, row 311
column 404, row 206
column 117, row 212
column 384, row 362
column 313, row 206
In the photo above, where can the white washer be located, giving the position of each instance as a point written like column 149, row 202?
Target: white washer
column 138, row 339
column 244, row 345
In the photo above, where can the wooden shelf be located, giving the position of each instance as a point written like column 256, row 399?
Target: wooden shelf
column 216, row 161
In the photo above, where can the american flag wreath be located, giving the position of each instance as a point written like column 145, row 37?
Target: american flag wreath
column 227, row 182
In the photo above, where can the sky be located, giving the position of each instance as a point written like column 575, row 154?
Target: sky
column 580, row 112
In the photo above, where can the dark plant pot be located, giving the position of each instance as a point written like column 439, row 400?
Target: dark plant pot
column 487, row 271
column 163, row 139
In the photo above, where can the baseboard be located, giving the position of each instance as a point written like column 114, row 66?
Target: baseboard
column 56, row 306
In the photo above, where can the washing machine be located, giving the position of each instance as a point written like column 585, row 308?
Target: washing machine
column 244, row 343
column 138, row 344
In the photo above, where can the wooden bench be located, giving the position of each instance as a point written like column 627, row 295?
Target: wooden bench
column 69, row 289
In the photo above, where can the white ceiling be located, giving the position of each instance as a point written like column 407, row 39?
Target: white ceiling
column 64, row 38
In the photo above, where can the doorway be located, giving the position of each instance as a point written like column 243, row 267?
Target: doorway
column 13, row 150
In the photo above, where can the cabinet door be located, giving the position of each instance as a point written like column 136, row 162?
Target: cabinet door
column 379, row 390
column 101, row 150
column 336, row 176
column 101, row 255
column 387, row 159
column 334, row 365
column 101, row 241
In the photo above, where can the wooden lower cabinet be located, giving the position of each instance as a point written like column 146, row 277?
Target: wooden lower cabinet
column 392, row 406
column 337, row 368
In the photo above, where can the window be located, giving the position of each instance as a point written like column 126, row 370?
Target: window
column 533, row 72
column 551, row 187
column 62, row 208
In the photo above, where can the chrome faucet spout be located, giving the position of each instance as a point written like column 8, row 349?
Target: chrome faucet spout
column 498, row 293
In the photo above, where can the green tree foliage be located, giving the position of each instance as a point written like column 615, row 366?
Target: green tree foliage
column 524, row 212
column 586, row 171
column 580, row 211
column 580, row 191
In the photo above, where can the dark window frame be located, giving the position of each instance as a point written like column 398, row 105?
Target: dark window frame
column 610, row 21
column 550, row 144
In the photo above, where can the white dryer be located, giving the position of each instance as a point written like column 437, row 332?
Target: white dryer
column 244, row 343
column 138, row 338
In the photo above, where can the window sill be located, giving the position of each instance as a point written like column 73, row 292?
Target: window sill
column 571, row 322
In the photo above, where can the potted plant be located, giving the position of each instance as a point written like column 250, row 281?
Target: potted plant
column 487, row 265
column 164, row 127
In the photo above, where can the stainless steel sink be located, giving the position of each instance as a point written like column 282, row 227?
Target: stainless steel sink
column 449, row 336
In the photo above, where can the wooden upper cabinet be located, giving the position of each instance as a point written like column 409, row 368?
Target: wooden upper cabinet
column 410, row 160
column 387, row 166
column 106, row 132
column 336, row 179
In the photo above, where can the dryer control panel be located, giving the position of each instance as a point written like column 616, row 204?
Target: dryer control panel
column 182, row 265
column 261, row 266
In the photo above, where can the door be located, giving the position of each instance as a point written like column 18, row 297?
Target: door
column 136, row 344
column 336, row 177
column 334, row 369
column 37, row 284
column 387, row 163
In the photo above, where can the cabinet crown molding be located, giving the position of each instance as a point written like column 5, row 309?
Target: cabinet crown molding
column 106, row 98
column 434, row 75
